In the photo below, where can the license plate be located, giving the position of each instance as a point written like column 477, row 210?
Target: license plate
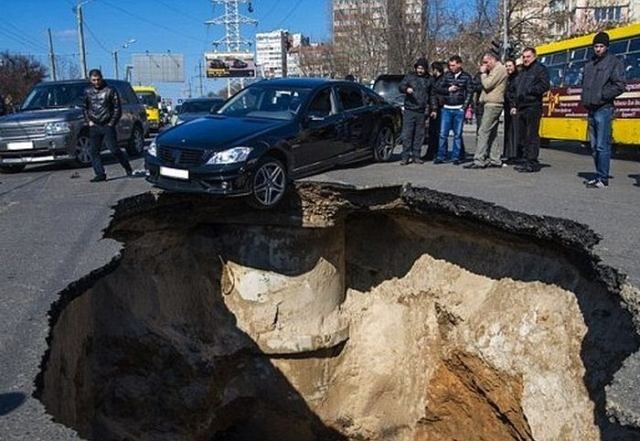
column 174, row 173
column 20, row 145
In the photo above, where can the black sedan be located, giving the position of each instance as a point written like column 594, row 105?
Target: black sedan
column 270, row 132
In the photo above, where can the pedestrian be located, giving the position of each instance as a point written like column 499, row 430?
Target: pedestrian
column 419, row 104
column 511, row 147
column 532, row 84
column 101, row 113
column 603, row 82
column 349, row 77
column 493, row 78
column 478, row 109
column 456, row 89
column 433, row 137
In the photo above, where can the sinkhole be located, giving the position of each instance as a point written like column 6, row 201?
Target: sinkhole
column 381, row 314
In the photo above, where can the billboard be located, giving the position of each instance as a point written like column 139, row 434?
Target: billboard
column 230, row 65
column 151, row 68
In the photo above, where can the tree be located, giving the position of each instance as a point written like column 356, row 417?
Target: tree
column 18, row 74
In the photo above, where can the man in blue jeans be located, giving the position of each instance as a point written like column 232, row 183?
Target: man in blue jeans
column 456, row 90
column 603, row 82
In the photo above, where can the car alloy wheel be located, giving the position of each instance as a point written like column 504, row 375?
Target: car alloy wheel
column 269, row 183
column 384, row 144
column 136, row 144
column 83, row 150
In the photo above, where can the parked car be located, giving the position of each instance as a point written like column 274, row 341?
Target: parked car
column 239, row 64
column 270, row 132
column 49, row 125
column 217, row 64
column 196, row 108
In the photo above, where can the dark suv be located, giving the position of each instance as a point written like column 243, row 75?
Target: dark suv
column 50, row 125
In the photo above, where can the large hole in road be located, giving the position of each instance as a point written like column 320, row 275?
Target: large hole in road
column 388, row 314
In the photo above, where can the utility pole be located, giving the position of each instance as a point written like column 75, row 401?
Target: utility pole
column 52, row 58
column 200, row 77
column 115, row 63
column 505, row 29
column 83, row 61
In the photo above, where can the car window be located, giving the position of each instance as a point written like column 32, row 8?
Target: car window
column 55, row 95
column 371, row 98
column 264, row 101
column 131, row 95
column 118, row 88
column 350, row 97
column 321, row 104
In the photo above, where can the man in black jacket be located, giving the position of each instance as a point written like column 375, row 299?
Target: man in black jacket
column 603, row 81
column 419, row 102
column 456, row 90
column 532, row 84
column 102, row 111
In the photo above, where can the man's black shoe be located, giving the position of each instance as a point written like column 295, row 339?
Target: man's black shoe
column 457, row 162
column 474, row 166
column 128, row 171
column 99, row 178
column 404, row 162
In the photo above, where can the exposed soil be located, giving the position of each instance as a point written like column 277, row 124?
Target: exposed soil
column 386, row 314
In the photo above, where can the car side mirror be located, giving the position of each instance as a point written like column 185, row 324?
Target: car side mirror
column 214, row 108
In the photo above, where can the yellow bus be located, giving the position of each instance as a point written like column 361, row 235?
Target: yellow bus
column 563, row 115
column 150, row 98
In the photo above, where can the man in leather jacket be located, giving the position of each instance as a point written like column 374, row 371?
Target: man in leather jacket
column 456, row 90
column 532, row 84
column 102, row 111
column 603, row 82
column 419, row 103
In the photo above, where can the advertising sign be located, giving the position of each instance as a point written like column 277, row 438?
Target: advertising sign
column 565, row 102
column 230, row 65
column 149, row 68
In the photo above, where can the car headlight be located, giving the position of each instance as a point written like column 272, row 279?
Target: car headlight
column 230, row 156
column 57, row 128
column 152, row 149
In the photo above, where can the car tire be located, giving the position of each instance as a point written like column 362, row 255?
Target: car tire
column 384, row 144
column 12, row 168
column 83, row 150
column 268, row 184
column 136, row 143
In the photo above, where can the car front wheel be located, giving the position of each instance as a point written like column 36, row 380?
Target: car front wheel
column 269, row 184
column 136, row 143
column 384, row 144
column 83, row 150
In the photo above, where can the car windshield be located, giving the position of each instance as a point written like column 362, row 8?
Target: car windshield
column 149, row 99
column 266, row 102
column 198, row 106
column 55, row 96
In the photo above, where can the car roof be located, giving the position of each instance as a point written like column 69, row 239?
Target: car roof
column 392, row 77
column 106, row 80
column 310, row 83
column 194, row 100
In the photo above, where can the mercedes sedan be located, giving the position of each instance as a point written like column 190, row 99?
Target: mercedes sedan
column 270, row 132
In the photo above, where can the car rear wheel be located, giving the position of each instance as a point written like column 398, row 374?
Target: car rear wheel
column 83, row 150
column 384, row 144
column 13, row 168
column 269, row 184
column 136, row 143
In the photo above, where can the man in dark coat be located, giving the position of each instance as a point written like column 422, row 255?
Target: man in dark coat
column 603, row 82
column 102, row 111
column 456, row 90
column 437, row 72
column 419, row 103
column 532, row 84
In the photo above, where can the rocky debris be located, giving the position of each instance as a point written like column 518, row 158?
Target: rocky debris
column 377, row 314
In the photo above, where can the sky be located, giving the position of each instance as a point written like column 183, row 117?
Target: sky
column 157, row 26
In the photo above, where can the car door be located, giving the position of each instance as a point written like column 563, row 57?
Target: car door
column 125, row 125
column 318, row 141
column 357, row 119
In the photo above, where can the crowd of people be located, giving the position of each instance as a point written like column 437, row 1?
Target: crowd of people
column 443, row 97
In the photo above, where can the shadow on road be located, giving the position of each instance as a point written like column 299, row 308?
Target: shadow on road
column 637, row 178
column 10, row 402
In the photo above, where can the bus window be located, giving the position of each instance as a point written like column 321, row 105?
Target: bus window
column 632, row 66
column 634, row 45
column 555, row 75
column 573, row 74
column 590, row 52
column 559, row 58
column 618, row 47
column 578, row 54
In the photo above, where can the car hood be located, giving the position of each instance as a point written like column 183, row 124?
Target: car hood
column 218, row 132
column 44, row 115
column 192, row 115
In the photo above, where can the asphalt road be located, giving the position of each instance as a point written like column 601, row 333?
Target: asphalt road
column 51, row 220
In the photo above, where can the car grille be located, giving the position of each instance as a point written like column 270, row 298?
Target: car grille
column 22, row 132
column 182, row 157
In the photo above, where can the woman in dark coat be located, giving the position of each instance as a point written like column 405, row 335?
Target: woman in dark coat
column 512, row 151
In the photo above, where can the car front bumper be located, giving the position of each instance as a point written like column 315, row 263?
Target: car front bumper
column 222, row 180
column 47, row 149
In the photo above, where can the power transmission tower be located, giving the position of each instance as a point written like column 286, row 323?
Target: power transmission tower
column 232, row 20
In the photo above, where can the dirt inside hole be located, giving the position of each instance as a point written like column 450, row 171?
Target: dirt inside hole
column 383, row 325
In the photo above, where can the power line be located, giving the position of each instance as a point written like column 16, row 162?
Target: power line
column 19, row 40
column 102, row 46
column 20, row 33
column 178, row 11
column 286, row 17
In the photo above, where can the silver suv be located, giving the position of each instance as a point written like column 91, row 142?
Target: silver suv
column 50, row 126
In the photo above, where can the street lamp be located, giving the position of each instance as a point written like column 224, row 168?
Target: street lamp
column 124, row 45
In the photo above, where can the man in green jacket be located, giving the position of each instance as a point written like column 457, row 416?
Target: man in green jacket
column 493, row 76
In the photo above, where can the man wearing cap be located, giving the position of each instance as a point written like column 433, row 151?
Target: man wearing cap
column 603, row 81
column 419, row 102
